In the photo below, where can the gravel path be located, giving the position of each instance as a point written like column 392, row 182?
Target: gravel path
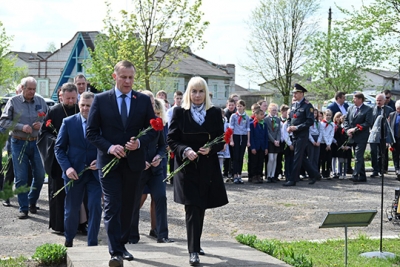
column 266, row 210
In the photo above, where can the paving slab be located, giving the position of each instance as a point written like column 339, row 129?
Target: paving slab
column 149, row 253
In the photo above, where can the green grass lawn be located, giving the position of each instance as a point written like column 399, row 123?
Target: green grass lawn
column 326, row 253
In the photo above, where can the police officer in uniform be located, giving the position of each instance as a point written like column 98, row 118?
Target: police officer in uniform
column 301, row 117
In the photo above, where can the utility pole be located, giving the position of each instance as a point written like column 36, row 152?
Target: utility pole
column 328, row 45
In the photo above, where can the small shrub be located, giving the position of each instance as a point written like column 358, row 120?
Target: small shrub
column 50, row 254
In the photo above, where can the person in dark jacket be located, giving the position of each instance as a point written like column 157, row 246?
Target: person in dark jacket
column 199, row 186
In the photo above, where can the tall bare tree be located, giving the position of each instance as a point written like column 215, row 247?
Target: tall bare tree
column 278, row 30
column 152, row 36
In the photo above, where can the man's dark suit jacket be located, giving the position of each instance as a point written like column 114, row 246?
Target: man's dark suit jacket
column 363, row 118
column 105, row 128
column 335, row 108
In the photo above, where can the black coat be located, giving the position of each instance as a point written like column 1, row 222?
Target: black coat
column 200, row 183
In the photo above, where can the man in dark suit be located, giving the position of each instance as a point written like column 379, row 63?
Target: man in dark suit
column 357, row 122
column 376, row 159
column 394, row 120
column 74, row 153
column 116, row 117
column 339, row 105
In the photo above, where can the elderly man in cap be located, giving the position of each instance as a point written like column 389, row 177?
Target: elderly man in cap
column 300, row 119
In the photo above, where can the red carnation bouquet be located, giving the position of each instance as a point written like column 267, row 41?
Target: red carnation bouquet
column 156, row 124
column 40, row 115
column 226, row 137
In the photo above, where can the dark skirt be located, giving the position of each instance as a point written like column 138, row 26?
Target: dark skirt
column 272, row 148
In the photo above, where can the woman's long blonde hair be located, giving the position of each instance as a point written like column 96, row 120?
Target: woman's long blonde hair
column 200, row 83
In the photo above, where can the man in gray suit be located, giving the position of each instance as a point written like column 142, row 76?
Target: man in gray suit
column 357, row 122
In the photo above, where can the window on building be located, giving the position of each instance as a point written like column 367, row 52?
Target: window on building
column 226, row 91
column 79, row 67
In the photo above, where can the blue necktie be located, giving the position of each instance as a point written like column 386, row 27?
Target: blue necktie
column 124, row 110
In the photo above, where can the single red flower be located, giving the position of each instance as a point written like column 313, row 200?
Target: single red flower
column 342, row 130
column 359, row 127
column 157, row 124
column 228, row 135
column 41, row 114
column 294, row 116
column 48, row 123
column 391, row 149
column 172, row 155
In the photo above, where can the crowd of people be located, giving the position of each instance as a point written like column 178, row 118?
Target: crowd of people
column 98, row 160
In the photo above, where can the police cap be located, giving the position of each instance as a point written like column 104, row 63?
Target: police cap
column 298, row 88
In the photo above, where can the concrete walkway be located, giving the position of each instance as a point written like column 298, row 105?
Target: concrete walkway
column 149, row 253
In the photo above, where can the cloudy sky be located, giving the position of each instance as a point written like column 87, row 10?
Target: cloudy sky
column 36, row 23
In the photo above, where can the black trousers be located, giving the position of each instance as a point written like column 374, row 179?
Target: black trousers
column 194, row 226
column 257, row 162
column 301, row 160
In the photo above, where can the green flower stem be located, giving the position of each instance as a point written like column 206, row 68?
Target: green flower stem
column 108, row 167
column 70, row 182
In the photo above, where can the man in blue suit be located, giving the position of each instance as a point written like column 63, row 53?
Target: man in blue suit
column 74, row 154
column 116, row 117
column 339, row 105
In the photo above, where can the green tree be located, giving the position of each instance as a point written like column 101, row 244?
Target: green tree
column 152, row 36
column 9, row 73
column 337, row 61
column 278, row 32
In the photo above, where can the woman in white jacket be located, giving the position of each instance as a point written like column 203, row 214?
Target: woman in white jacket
column 327, row 131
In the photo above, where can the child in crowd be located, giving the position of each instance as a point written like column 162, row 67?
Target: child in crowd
column 228, row 166
column 328, row 130
column 240, row 124
column 343, row 150
column 335, row 147
column 288, row 150
column 278, row 170
column 254, row 108
column 315, row 138
column 224, row 154
column 258, row 145
column 274, row 137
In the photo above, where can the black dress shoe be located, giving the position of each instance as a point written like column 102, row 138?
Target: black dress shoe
column 82, row 229
column 202, row 252
column 290, row 183
column 194, row 258
column 68, row 244
column 165, row 240
column 153, row 233
column 116, row 261
column 33, row 209
column 127, row 256
column 23, row 215
column 374, row 175
column 6, row 203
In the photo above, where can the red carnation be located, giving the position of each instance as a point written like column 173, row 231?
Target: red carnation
column 294, row 116
column 48, row 123
column 391, row 149
column 343, row 131
column 359, row 127
column 172, row 155
column 157, row 124
column 41, row 114
column 228, row 135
